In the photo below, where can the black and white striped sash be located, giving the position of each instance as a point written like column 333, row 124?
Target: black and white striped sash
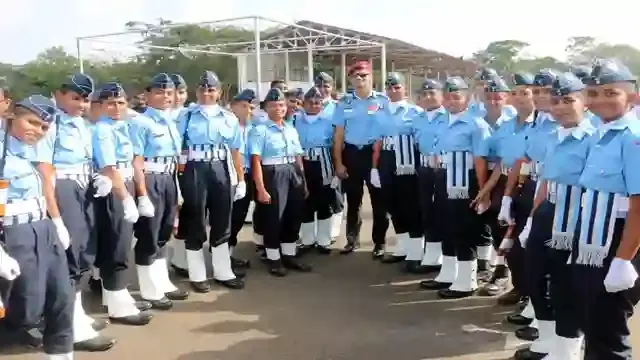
column 567, row 200
column 458, row 165
column 322, row 155
column 433, row 161
column 403, row 147
column 598, row 217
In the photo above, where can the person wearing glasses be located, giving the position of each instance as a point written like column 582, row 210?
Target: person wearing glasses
column 353, row 140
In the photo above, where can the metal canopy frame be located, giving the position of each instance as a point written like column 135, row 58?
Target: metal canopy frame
column 288, row 38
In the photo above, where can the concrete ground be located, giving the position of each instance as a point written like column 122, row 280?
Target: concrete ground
column 349, row 308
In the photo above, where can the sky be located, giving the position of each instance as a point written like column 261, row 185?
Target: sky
column 456, row 27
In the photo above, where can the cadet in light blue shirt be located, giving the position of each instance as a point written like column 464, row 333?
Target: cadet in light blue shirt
column 354, row 119
column 394, row 170
column 213, row 178
column 113, row 155
column 548, row 234
column 478, row 103
column 156, row 146
column 583, row 73
column 65, row 159
column 426, row 126
column 180, row 96
column 463, row 145
column 294, row 104
column 30, row 246
column 315, row 130
column 277, row 170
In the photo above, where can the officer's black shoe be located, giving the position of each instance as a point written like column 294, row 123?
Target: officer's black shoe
column 414, row 267
column 31, row 338
column 276, row 268
column 235, row 283
column 98, row 343
column 352, row 245
column 240, row 273
column 527, row 354
column 262, row 253
column 510, row 298
column 95, row 285
column 434, row 285
column 177, row 295
column 517, row 319
column 378, row 252
column 240, row 263
column 392, row 259
column 324, row 250
column 143, row 305
column 162, row 304
column 201, row 287
column 291, row 263
column 99, row 324
column 496, row 286
column 180, row 272
column 454, row 294
column 527, row 333
column 140, row 319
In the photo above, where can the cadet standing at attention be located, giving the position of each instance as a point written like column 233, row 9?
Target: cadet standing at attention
column 29, row 246
column 65, row 161
column 213, row 178
column 427, row 126
column 394, row 171
column 316, row 132
column 464, row 145
column 353, row 141
column 277, row 170
column 156, row 146
column 117, row 212
column 606, row 242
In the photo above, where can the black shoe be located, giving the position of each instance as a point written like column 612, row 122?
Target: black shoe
column 240, row 263
column 527, row 354
column 350, row 247
column 434, row 285
column 324, row 250
column 99, row 324
column 180, row 272
column 95, row 285
column 140, row 319
column 378, row 252
column 454, row 294
column 97, row 344
column 510, row 298
column 291, row 263
column 177, row 295
column 495, row 287
column 276, row 268
column 143, row 305
column 517, row 319
column 414, row 267
column 201, row 287
column 239, row 272
column 235, row 283
column 391, row 259
column 527, row 333
column 162, row 304
column 262, row 252
column 31, row 338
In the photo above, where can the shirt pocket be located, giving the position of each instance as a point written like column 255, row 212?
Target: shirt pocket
column 23, row 183
column 69, row 143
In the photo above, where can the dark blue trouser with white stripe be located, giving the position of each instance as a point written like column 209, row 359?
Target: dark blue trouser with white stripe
column 401, row 196
column 322, row 198
column 521, row 209
column 240, row 210
column 431, row 225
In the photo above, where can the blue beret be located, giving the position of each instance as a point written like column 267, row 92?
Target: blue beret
column 523, row 78
column 209, row 79
column 40, row 105
column 565, row 84
column 246, row 95
column 394, row 78
column 162, row 81
column 545, row 77
column 455, row 83
column 430, row 84
column 581, row 72
column 313, row 93
column 297, row 93
column 274, row 94
column 111, row 90
column 485, row 74
column 178, row 81
column 609, row 71
column 323, row 78
column 496, row 85
column 81, row 84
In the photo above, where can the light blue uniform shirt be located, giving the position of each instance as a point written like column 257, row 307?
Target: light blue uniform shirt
column 358, row 117
column 479, row 109
column 176, row 113
column 246, row 156
column 543, row 126
column 494, row 142
column 268, row 140
column 593, row 118
column 468, row 133
column 112, row 142
column 511, row 139
column 564, row 159
column 67, row 144
column 328, row 108
column 154, row 134
column 212, row 125
column 425, row 129
column 399, row 121
column 315, row 133
column 24, row 180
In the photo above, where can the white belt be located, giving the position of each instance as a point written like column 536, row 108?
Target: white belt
column 525, row 170
column 74, row 172
column 25, row 211
column 160, row 164
column 431, row 161
column 214, row 153
column 125, row 169
column 279, row 160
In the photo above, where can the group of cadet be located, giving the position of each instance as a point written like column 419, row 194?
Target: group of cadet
column 530, row 179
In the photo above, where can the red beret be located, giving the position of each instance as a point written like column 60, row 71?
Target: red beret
column 360, row 66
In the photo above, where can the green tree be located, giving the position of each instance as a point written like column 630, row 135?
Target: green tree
column 501, row 55
column 579, row 49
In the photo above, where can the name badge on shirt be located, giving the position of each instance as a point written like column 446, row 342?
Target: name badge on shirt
column 371, row 109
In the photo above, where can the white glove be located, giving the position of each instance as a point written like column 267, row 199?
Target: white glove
column 9, row 268
column 621, row 276
column 241, row 191
column 335, row 182
column 63, row 233
column 102, row 184
column 524, row 234
column 375, row 178
column 130, row 210
column 506, row 244
column 145, row 207
column 505, row 211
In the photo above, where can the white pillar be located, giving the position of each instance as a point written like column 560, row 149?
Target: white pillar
column 287, row 67
column 393, row 66
column 383, row 65
column 310, row 64
column 256, row 34
column 343, row 71
column 241, row 60
column 80, row 61
column 410, row 81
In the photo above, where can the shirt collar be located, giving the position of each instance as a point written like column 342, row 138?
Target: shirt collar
column 371, row 95
column 621, row 124
column 15, row 146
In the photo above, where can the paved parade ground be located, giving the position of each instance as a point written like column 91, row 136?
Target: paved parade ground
column 349, row 308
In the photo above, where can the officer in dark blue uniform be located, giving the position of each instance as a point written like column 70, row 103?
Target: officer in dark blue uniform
column 277, row 171
column 352, row 153
column 31, row 254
